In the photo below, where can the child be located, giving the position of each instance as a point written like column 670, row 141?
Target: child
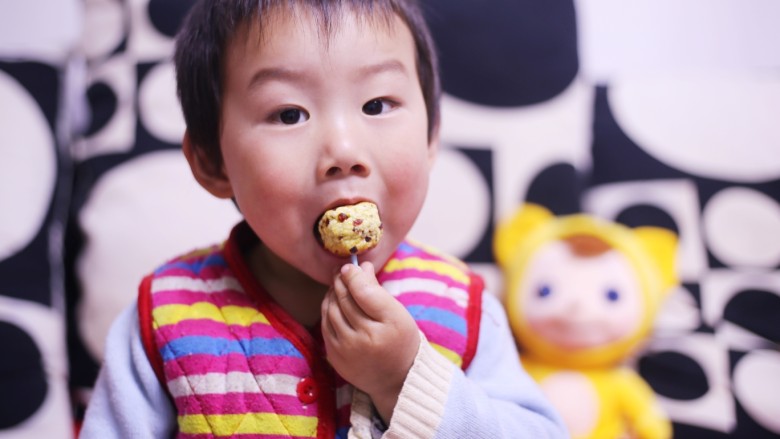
column 293, row 108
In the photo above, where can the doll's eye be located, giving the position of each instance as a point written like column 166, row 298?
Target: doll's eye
column 612, row 295
column 291, row 116
column 543, row 291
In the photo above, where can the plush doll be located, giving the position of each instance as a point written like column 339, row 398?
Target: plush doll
column 581, row 296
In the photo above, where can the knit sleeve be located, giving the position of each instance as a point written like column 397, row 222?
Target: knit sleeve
column 494, row 398
column 128, row 400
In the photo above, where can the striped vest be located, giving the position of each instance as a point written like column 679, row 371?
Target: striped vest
column 237, row 365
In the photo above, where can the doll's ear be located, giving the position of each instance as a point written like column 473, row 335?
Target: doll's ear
column 208, row 174
column 511, row 232
column 661, row 246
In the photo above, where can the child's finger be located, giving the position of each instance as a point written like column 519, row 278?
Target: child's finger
column 325, row 324
column 338, row 326
column 365, row 290
column 349, row 310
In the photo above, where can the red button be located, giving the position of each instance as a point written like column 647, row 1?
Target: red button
column 307, row 390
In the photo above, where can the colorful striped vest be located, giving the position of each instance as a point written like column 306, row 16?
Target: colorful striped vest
column 237, row 365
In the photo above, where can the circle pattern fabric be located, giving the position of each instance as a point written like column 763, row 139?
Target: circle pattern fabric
column 694, row 149
column 34, row 188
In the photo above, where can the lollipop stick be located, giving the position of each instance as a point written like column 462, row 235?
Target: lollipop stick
column 354, row 259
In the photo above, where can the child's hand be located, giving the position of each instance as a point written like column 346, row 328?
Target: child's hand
column 370, row 338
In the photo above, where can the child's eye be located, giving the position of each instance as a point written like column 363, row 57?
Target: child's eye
column 291, row 116
column 377, row 106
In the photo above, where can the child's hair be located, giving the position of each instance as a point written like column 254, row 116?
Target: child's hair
column 211, row 25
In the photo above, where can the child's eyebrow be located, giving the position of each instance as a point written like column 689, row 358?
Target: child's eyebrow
column 275, row 74
column 291, row 75
column 384, row 67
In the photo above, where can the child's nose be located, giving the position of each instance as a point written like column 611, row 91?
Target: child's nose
column 356, row 169
column 344, row 150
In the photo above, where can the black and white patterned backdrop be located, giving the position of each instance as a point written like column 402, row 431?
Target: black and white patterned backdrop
column 647, row 112
column 35, row 175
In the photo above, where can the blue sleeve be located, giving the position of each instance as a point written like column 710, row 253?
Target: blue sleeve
column 495, row 397
column 128, row 400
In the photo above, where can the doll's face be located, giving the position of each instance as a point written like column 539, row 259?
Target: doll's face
column 580, row 302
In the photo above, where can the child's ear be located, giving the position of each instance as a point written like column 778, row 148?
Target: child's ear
column 207, row 173
column 433, row 147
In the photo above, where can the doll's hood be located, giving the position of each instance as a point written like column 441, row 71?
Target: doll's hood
column 650, row 251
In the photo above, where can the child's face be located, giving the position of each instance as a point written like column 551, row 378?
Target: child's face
column 311, row 121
